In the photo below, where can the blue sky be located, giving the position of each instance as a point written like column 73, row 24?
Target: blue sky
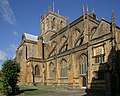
column 17, row 16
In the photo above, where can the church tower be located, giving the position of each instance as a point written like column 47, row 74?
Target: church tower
column 50, row 24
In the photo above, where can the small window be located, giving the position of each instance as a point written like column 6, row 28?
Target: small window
column 61, row 24
column 83, row 69
column 99, row 54
column 37, row 71
column 53, row 23
column 99, row 59
column 94, row 16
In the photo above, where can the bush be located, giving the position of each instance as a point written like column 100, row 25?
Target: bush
column 10, row 74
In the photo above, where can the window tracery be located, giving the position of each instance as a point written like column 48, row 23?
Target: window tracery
column 83, row 64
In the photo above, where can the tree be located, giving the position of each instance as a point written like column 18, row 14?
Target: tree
column 10, row 74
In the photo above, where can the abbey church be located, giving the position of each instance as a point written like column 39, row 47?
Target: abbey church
column 81, row 54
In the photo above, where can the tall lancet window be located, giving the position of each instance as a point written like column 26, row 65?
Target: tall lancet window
column 52, row 70
column 47, row 23
column 63, row 66
column 54, row 23
column 61, row 24
column 83, row 64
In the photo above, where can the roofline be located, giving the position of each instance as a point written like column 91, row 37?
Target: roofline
column 72, row 24
column 27, row 41
column 66, row 27
column 110, row 23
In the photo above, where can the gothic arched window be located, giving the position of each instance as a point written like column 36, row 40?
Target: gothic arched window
column 54, row 23
column 93, row 31
column 76, row 32
column 83, row 64
column 37, row 70
column 47, row 23
column 52, row 69
column 63, row 66
column 61, row 24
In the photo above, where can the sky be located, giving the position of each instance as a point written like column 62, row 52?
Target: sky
column 18, row 16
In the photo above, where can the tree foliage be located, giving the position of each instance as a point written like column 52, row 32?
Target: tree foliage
column 10, row 74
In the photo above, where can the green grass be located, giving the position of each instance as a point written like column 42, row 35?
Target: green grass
column 32, row 91
column 27, row 90
column 51, row 87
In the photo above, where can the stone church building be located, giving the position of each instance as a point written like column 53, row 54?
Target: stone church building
column 81, row 54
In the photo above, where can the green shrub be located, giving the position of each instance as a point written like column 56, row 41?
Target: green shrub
column 10, row 74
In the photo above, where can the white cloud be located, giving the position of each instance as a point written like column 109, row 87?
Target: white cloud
column 12, row 47
column 7, row 12
column 3, row 56
column 15, row 33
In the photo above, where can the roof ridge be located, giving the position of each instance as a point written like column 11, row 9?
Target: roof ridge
column 30, row 34
column 31, row 37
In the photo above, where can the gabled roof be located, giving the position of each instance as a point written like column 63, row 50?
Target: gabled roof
column 102, row 29
column 31, row 37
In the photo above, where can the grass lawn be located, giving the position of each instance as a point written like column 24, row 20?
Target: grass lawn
column 51, row 87
column 32, row 91
column 27, row 90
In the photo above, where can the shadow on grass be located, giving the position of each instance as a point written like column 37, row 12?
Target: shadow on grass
column 26, row 90
column 94, row 93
